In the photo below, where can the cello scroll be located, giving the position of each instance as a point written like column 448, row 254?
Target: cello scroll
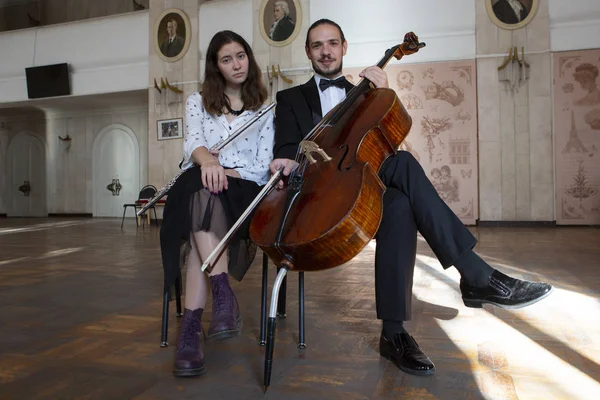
column 410, row 46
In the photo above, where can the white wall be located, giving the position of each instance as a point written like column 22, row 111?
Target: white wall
column 105, row 55
column 211, row 20
column 574, row 24
column 447, row 27
column 4, row 132
column 111, row 54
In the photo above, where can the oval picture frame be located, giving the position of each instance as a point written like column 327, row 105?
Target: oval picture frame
column 503, row 15
column 179, row 46
column 282, row 34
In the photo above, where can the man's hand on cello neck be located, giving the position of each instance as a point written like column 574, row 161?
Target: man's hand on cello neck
column 376, row 76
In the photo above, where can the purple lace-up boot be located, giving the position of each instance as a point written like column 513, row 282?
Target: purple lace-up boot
column 226, row 321
column 189, row 358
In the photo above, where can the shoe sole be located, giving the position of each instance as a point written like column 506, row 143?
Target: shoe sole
column 189, row 372
column 407, row 370
column 226, row 334
column 479, row 303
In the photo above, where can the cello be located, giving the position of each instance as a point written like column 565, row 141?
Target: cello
column 332, row 204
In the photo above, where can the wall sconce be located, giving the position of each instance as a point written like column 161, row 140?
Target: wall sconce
column 167, row 93
column 114, row 187
column 25, row 188
column 138, row 6
column 514, row 71
column 66, row 141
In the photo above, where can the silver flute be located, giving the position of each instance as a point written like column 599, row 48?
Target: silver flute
column 217, row 147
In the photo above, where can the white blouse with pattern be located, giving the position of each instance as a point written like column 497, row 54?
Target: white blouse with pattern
column 249, row 154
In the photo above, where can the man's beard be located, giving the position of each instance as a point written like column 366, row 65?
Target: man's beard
column 324, row 74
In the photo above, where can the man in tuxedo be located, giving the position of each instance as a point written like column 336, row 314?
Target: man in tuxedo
column 510, row 11
column 410, row 204
column 173, row 43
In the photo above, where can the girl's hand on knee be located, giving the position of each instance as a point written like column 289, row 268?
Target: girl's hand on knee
column 214, row 178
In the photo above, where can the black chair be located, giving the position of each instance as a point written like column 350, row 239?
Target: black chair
column 165, row 311
column 146, row 194
column 263, row 311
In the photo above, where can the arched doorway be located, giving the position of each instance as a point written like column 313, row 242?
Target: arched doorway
column 116, row 155
column 26, row 186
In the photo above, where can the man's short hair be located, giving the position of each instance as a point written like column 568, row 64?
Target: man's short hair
column 324, row 21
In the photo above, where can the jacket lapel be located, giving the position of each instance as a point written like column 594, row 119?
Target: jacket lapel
column 311, row 93
column 348, row 86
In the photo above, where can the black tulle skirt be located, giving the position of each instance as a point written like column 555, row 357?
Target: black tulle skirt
column 191, row 208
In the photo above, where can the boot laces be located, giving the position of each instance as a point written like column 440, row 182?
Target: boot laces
column 220, row 300
column 190, row 336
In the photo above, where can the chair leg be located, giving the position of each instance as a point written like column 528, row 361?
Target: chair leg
column 263, row 300
column 178, row 295
column 271, row 326
column 301, row 342
column 165, row 320
column 155, row 216
column 282, row 298
column 123, row 219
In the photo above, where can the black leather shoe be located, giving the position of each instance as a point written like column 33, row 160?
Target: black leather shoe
column 505, row 292
column 407, row 355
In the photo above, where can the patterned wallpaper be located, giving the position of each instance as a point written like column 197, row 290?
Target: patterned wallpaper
column 442, row 101
column 577, row 137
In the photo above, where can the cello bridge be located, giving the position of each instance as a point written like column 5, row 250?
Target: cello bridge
column 309, row 147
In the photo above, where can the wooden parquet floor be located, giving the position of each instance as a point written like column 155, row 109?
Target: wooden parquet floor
column 80, row 309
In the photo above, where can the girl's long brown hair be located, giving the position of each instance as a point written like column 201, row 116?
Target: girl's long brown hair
column 254, row 93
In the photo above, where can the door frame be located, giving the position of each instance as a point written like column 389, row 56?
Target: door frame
column 40, row 140
column 98, row 139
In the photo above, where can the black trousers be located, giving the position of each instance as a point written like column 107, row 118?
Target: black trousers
column 411, row 204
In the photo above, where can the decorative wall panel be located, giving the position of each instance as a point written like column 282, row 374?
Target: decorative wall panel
column 442, row 101
column 577, row 137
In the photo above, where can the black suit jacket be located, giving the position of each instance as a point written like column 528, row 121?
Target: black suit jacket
column 298, row 111
column 172, row 49
column 283, row 30
column 506, row 14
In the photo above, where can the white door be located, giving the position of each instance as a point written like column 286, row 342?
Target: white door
column 26, row 166
column 116, row 157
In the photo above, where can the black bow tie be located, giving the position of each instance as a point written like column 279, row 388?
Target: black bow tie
column 339, row 82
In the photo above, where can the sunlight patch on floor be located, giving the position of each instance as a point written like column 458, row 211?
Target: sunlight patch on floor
column 61, row 252
column 559, row 322
column 14, row 260
column 41, row 227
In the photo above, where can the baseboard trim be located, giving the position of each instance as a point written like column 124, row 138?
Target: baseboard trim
column 513, row 224
column 71, row 215
column 3, row 215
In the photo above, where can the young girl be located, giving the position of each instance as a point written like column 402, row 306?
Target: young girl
column 214, row 191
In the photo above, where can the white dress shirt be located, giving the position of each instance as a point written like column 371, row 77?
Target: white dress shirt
column 249, row 154
column 517, row 7
column 330, row 97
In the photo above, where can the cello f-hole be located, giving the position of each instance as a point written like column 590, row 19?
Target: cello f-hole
column 346, row 149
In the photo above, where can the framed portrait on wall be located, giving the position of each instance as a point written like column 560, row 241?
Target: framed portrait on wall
column 511, row 14
column 280, row 21
column 172, row 35
column 170, row 129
